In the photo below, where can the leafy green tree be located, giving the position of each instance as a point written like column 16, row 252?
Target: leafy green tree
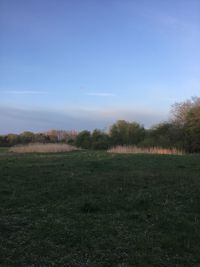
column 167, row 135
column 40, row 138
column 135, row 133
column 26, row 137
column 186, row 116
column 116, row 133
column 3, row 141
column 126, row 133
column 100, row 140
column 12, row 139
column 84, row 140
column 192, row 130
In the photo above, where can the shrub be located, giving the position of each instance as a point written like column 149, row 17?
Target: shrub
column 100, row 140
column 126, row 133
column 84, row 140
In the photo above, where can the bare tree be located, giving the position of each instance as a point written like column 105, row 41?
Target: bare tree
column 180, row 110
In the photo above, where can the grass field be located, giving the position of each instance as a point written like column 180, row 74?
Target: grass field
column 3, row 149
column 98, row 209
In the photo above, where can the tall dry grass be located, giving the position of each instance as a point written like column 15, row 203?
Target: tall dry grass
column 42, row 148
column 150, row 150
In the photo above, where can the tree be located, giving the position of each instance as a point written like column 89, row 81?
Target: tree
column 83, row 140
column 186, row 116
column 12, row 139
column 126, row 133
column 180, row 110
column 53, row 136
column 166, row 134
column 26, row 137
column 118, row 132
column 100, row 140
column 135, row 133
column 40, row 138
column 3, row 141
column 192, row 130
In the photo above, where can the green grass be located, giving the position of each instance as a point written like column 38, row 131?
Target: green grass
column 97, row 209
column 3, row 149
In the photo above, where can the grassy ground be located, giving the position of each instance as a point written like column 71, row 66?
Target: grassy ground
column 3, row 149
column 97, row 209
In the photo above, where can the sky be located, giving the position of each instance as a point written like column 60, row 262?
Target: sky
column 74, row 64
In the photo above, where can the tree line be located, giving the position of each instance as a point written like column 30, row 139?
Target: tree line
column 181, row 131
column 53, row 136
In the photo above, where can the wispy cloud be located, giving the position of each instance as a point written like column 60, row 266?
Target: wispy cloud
column 100, row 94
column 25, row 92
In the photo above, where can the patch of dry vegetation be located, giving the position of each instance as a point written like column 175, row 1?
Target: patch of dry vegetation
column 150, row 150
column 42, row 148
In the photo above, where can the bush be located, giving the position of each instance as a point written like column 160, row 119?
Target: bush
column 84, row 140
column 100, row 140
column 126, row 133
column 192, row 130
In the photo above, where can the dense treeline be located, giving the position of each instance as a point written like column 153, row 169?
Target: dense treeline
column 182, row 131
column 53, row 136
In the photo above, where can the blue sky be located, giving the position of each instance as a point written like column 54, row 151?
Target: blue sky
column 84, row 64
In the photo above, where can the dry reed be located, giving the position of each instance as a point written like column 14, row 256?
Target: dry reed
column 42, row 148
column 150, row 150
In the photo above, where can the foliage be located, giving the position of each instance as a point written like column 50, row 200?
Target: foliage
column 182, row 131
column 54, row 136
column 84, row 140
column 12, row 139
column 166, row 135
column 126, row 133
column 192, row 130
column 180, row 110
column 187, row 118
column 26, row 137
column 100, row 140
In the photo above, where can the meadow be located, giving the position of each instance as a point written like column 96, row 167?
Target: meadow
column 86, row 208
